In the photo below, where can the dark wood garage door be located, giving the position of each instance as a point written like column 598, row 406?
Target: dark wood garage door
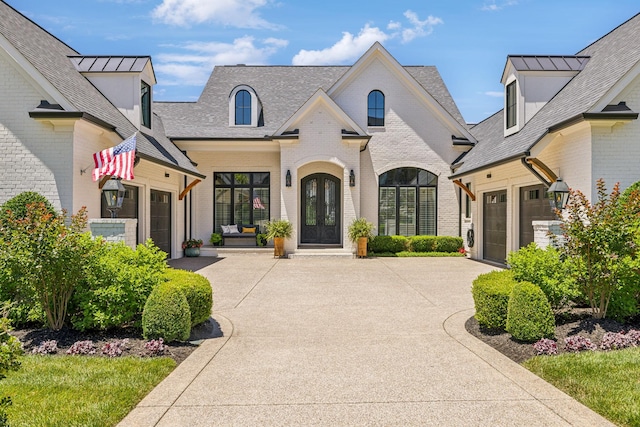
column 495, row 226
column 534, row 206
column 160, row 213
column 129, row 206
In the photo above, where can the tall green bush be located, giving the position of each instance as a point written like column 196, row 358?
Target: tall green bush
column 42, row 253
column 117, row 285
column 17, row 205
column 166, row 314
column 543, row 267
column 529, row 314
column 197, row 290
column 491, row 293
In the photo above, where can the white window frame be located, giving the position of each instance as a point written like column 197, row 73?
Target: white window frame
column 256, row 107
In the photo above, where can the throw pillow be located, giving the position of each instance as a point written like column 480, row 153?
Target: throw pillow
column 233, row 229
column 225, row 229
column 248, row 229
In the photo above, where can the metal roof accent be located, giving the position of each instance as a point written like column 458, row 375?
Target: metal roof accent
column 109, row 64
column 548, row 62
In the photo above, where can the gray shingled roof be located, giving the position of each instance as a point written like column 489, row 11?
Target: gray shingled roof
column 51, row 57
column 612, row 57
column 282, row 91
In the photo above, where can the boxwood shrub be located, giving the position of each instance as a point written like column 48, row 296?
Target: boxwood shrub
column 197, row 291
column 166, row 314
column 529, row 315
column 388, row 244
column 435, row 243
column 491, row 292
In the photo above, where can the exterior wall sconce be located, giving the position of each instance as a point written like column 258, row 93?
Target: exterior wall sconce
column 113, row 191
column 352, row 179
column 558, row 194
column 288, row 178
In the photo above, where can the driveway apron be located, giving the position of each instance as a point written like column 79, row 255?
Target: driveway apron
column 333, row 341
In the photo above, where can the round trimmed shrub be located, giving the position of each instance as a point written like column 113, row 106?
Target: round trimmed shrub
column 18, row 204
column 166, row 314
column 390, row 244
column 491, row 292
column 196, row 289
column 529, row 316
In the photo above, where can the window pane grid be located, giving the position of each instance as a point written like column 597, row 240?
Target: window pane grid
column 241, row 198
column 243, row 108
column 375, row 108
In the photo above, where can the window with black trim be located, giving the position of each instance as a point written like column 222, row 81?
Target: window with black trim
column 512, row 105
column 375, row 108
column 243, row 107
column 467, row 212
column 241, row 198
column 407, row 202
column 145, row 104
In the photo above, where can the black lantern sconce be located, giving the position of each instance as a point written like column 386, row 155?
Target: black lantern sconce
column 352, row 179
column 113, row 191
column 558, row 194
column 287, row 181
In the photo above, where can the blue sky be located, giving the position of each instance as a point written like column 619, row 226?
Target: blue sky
column 467, row 40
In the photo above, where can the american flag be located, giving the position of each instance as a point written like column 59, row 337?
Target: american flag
column 257, row 203
column 116, row 161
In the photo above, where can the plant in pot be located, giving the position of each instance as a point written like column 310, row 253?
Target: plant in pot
column 277, row 231
column 192, row 247
column 360, row 231
column 216, row 239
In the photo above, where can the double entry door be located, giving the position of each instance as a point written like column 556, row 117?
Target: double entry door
column 320, row 210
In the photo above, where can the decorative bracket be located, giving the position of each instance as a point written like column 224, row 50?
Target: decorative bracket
column 189, row 188
column 459, row 183
column 103, row 181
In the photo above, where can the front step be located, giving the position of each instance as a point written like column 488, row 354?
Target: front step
column 321, row 253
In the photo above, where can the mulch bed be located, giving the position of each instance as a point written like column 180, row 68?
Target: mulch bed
column 569, row 324
column 179, row 351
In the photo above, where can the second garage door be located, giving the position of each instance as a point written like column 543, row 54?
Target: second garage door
column 495, row 226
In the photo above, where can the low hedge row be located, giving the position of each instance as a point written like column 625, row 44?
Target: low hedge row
column 395, row 244
column 491, row 292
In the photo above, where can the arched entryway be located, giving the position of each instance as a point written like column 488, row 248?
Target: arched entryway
column 320, row 210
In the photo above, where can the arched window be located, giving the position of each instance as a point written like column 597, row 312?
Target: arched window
column 243, row 107
column 375, row 108
column 407, row 202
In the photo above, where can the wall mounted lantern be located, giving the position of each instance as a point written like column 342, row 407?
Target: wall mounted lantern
column 288, row 178
column 352, row 179
column 113, row 191
column 558, row 194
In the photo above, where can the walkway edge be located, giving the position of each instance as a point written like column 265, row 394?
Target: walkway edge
column 154, row 405
column 566, row 407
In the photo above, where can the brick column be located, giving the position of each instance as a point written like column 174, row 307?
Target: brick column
column 542, row 231
column 115, row 230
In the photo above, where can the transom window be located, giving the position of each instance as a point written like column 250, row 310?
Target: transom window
column 407, row 202
column 375, row 108
column 241, row 198
column 145, row 104
column 243, row 107
column 511, row 101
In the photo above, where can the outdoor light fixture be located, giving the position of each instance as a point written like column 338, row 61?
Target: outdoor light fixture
column 558, row 194
column 288, row 178
column 352, row 179
column 113, row 191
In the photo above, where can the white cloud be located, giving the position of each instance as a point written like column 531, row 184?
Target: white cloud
column 233, row 13
column 350, row 47
column 194, row 67
column 492, row 6
column 494, row 94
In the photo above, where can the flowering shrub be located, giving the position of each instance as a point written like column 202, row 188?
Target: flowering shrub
column 545, row 346
column 46, row 347
column 154, row 348
column 578, row 343
column 115, row 348
column 192, row 243
column 82, row 347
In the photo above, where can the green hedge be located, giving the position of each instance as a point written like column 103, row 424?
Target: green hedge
column 196, row 289
column 529, row 315
column 166, row 314
column 491, row 292
column 391, row 244
column 435, row 243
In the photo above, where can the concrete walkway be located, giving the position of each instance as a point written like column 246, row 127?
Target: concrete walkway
column 324, row 342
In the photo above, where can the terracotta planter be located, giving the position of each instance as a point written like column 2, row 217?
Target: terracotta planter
column 191, row 252
column 278, row 246
column 362, row 247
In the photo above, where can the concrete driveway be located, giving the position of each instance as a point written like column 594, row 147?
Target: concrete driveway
column 333, row 341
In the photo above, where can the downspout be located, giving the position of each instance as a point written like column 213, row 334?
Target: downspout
column 190, row 214
column 459, row 212
column 185, row 211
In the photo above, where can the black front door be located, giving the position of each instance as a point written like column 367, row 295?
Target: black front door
column 320, row 209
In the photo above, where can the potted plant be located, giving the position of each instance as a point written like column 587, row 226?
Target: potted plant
column 192, row 247
column 277, row 231
column 216, row 239
column 360, row 231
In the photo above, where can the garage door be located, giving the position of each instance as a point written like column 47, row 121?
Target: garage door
column 160, row 213
column 534, row 206
column 129, row 206
column 495, row 226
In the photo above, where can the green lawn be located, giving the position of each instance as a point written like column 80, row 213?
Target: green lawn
column 607, row 382
column 79, row 390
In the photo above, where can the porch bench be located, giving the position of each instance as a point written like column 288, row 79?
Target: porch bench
column 241, row 238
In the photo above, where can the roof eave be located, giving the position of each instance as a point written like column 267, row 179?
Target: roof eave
column 65, row 115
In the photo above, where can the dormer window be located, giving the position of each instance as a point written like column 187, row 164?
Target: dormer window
column 145, row 104
column 245, row 108
column 375, row 108
column 511, row 101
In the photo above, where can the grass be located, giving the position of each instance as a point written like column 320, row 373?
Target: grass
column 407, row 254
column 607, row 382
column 79, row 390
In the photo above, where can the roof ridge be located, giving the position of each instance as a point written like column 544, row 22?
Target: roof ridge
column 607, row 34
